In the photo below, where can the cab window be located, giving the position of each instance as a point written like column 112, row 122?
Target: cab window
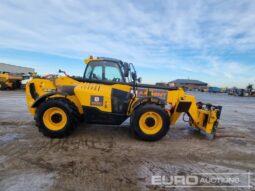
column 25, row 77
column 103, row 70
column 97, row 73
column 88, row 72
column 112, row 72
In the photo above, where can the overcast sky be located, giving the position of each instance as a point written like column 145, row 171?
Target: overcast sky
column 212, row 41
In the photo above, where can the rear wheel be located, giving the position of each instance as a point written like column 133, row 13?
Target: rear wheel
column 56, row 118
column 14, row 85
column 150, row 122
column 18, row 84
column 2, row 86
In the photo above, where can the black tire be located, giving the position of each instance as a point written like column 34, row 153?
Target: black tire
column 14, row 85
column 138, row 132
column 71, row 114
column 18, row 84
column 2, row 86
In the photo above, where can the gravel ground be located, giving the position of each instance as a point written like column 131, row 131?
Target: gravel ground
column 97, row 157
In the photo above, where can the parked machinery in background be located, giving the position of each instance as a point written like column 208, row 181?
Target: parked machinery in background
column 26, row 78
column 10, row 81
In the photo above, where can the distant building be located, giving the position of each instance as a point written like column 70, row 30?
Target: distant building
column 188, row 84
column 8, row 68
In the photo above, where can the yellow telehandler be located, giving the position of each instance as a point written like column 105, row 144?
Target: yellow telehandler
column 10, row 81
column 109, row 93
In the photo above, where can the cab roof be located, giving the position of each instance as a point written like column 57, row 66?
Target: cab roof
column 91, row 58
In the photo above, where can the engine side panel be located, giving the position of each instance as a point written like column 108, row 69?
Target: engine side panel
column 106, row 98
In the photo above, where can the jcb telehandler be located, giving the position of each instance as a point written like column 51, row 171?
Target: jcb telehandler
column 109, row 93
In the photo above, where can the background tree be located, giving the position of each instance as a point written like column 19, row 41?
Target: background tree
column 249, row 88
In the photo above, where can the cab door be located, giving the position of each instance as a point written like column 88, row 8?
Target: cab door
column 104, row 89
column 120, row 93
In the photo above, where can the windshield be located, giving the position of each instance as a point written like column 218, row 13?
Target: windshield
column 26, row 77
column 104, row 70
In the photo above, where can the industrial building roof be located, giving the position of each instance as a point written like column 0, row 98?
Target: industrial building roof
column 188, row 81
column 15, row 69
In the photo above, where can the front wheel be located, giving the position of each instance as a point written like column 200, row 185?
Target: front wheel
column 150, row 122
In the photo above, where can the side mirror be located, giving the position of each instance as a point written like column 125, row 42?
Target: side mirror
column 139, row 80
column 134, row 76
column 126, row 69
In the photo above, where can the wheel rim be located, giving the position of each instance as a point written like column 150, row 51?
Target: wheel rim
column 150, row 123
column 55, row 118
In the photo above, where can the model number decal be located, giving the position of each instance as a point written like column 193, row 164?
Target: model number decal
column 159, row 93
column 142, row 92
column 97, row 100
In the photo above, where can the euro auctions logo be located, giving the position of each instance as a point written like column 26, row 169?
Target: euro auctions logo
column 242, row 180
column 174, row 180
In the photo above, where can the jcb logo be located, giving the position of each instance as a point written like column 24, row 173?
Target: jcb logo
column 96, row 100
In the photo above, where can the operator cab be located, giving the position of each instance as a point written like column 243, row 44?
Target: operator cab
column 109, row 70
column 104, row 70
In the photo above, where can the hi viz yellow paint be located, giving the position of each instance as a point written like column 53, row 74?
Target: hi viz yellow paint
column 150, row 123
column 55, row 118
